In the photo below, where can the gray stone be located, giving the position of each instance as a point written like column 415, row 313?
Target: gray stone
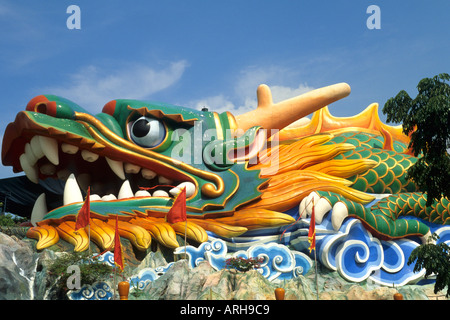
column 18, row 264
column 23, row 275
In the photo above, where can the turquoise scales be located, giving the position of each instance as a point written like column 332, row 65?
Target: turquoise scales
column 389, row 175
column 384, row 217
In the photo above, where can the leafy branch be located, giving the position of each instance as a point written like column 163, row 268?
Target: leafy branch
column 243, row 264
column 435, row 259
column 426, row 119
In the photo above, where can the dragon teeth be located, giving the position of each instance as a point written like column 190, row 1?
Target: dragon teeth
column 131, row 168
column 109, row 197
column 72, row 192
column 164, row 180
column 160, row 193
column 49, row 147
column 48, row 169
column 125, row 191
column 94, row 197
column 190, row 189
column 69, row 148
column 116, row 167
column 39, row 210
column 148, row 174
column 89, row 156
column 39, row 147
column 30, row 171
column 36, row 147
column 142, row 193
column 32, row 159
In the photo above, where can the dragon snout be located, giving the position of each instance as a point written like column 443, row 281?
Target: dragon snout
column 41, row 104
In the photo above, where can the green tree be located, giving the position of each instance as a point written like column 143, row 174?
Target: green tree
column 9, row 220
column 91, row 270
column 426, row 118
column 435, row 259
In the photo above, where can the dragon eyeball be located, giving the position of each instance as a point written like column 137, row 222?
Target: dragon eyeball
column 147, row 132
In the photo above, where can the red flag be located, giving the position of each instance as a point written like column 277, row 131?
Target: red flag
column 117, row 247
column 312, row 231
column 178, row 211
column 84, row 214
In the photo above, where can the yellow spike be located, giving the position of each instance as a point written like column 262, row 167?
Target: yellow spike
column 102, row 234
column 137, row 235
column 388, row 141
column 304, row 158
column 295, row 176
column 344, row 168
column 282, row 199
column 46, row 236
column 159, row 230
column 257, row 218
column 79, row 238
column 285, row 151
column 193, row 231
column 322, row 121
column 221, row 229
column 308, row 142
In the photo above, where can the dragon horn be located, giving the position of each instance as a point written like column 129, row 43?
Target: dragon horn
column 277, row 116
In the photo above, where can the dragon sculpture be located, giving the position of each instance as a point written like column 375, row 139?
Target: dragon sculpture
column 241, row 173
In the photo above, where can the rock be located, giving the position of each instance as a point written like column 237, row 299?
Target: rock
column 179, row 282
column 382, row 293
column 252, row 286
column 18, row 263
column 152, row 260
column 206, row 283
column 299, row 288
column 23, row 275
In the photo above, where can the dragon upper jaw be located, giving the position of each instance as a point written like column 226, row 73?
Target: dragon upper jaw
column 43, row 153
column 43, row 156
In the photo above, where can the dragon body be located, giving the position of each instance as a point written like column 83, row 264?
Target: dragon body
column 239, row 174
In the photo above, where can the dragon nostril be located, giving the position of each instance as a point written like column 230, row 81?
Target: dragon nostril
column 41, row 104
column 41, row 108
column 35, row 102
column 49, row 108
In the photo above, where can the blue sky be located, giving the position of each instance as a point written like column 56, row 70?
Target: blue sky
column 215, row 53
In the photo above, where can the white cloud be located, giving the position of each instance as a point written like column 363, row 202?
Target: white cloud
column 217, row 103
column 91, row 87
column 242, row 97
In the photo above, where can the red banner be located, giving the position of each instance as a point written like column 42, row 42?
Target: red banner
column 85, row 213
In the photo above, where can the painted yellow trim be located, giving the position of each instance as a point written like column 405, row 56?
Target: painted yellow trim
column 208, row 189
column 219, row 128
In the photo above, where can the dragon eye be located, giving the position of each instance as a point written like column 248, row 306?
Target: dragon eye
column 148, row 132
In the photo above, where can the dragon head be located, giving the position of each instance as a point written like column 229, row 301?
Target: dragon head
column 133, row 149
column 135, row 156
